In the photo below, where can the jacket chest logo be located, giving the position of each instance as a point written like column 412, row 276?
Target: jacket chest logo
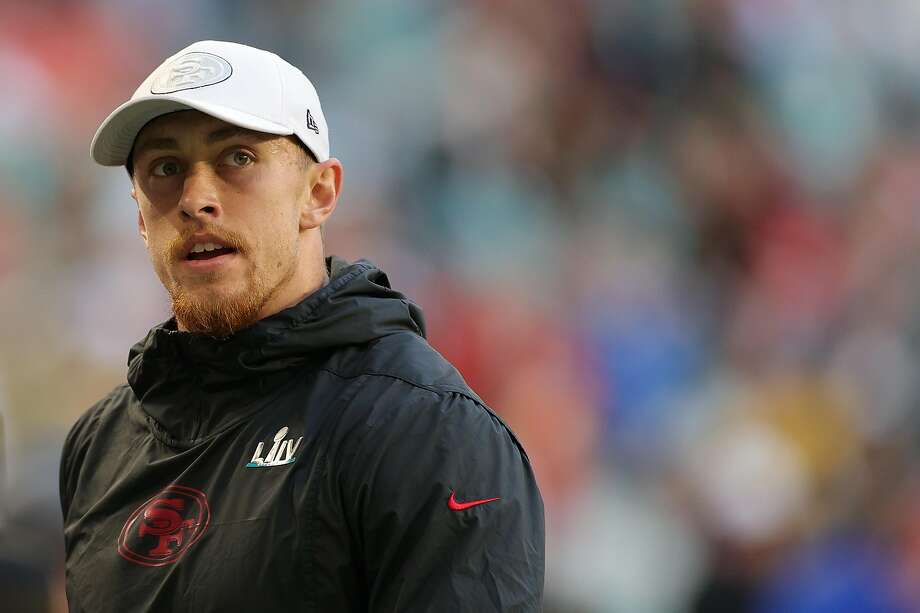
column 282, row 451
column 161, row 530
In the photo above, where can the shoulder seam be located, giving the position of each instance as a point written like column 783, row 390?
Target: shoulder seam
column 430, row 388
column 466, row 393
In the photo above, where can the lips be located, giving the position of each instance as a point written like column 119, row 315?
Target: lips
column 212, row 264
column 205, row 252
column 205, row 246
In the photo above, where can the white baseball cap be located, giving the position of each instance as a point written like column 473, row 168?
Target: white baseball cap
column 241, row 85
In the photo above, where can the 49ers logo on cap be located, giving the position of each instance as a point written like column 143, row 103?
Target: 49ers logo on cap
column 162, row 529
column 195, row 69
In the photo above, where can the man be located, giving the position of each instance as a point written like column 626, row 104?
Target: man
column 288, row 441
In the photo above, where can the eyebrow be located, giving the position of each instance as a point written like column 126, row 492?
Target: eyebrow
column 222, row 134
column 227, row 133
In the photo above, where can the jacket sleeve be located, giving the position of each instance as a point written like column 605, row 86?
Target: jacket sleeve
column 73, row 452
column 419, row 485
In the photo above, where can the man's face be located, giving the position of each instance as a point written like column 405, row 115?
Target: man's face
column 221, row 211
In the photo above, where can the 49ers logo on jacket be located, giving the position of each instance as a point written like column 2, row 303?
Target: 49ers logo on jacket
column 162, row 529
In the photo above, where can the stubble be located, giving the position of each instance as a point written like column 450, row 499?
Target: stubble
column 220, row 315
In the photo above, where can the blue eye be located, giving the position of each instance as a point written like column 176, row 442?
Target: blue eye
column 238, row 158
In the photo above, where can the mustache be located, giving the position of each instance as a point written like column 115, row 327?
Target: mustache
column 177, row 246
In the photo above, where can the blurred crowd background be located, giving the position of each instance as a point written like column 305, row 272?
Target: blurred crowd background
column 674, row 243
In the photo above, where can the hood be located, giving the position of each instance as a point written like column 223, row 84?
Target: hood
column 193, row 385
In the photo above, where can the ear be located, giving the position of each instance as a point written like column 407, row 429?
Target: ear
column 324, row 194
column 141, row 226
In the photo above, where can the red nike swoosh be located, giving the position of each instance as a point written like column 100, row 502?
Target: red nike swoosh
column 453, row 505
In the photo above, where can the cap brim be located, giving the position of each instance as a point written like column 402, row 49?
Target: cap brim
column 115, row 137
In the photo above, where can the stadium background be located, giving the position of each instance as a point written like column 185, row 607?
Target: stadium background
column 673, row 242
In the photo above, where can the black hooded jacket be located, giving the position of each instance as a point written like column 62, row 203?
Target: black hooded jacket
column 324, row 459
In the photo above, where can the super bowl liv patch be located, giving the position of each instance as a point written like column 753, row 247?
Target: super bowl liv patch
column 281, row 453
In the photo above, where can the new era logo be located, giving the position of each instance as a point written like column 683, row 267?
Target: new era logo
column 311, row 124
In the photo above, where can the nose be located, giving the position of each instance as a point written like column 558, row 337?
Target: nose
column 199, row 196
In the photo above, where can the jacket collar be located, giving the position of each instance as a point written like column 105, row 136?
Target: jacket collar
column 192, row 385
